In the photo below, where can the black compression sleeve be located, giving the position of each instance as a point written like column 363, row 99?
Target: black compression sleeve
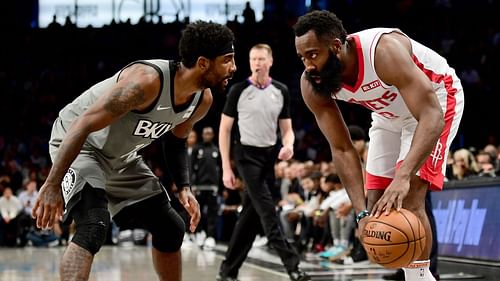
column 176, row 158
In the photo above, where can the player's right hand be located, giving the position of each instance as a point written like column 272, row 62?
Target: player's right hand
column 228, row 178
column 48, row 205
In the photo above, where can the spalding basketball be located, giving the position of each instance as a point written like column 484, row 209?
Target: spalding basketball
column 395, row 240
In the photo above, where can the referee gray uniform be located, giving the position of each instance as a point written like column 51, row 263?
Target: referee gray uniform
column 257, row 112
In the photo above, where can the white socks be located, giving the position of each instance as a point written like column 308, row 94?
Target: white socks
column 418, row 271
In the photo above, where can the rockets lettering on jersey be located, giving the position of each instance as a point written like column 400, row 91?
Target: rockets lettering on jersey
column 379, row 103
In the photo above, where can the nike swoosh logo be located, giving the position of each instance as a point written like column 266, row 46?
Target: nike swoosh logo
column 162, row 108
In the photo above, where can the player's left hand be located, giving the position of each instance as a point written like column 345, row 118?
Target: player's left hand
column 189, row 202
column 286, row 153
column 361, row 227
column 392, row 197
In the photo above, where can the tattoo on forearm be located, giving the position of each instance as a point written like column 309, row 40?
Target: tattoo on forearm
column 125, row 99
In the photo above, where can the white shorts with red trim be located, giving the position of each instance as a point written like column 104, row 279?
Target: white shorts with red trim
column 390, row 141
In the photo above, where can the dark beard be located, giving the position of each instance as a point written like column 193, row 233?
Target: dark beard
column 218, row 89
column 215, row 86
column 331, row 81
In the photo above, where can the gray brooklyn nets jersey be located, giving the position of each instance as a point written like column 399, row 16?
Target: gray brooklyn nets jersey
column 109, row 158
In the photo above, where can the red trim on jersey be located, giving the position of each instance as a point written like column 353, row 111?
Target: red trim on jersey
column 377, row 182
column 361, row 66
column 432, row 169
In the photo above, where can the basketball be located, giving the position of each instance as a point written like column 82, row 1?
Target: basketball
column 395, row 240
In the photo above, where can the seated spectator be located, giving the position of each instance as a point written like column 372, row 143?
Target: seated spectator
column 302, row 214
column 10, row 208
column 486, row 164
column 45, row 237
column 495, row 155
column 341, row 227
column 26, row 222
column 464, row 165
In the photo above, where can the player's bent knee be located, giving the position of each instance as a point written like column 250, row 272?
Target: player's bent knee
column 168, row 238
column 91, row 232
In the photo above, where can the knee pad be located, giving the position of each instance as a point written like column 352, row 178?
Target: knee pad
column 92, row 229
column 169, row 232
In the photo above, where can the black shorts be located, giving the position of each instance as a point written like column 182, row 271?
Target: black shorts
column 143, row 214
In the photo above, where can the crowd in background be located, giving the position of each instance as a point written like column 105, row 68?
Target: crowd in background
column 44, row 69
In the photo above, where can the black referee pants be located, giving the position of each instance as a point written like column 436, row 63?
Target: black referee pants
column 255, row 165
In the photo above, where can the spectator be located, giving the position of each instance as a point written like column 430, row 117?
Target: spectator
column 206, row 176
column 10, row 208
column 464, row 165
column 27, row 198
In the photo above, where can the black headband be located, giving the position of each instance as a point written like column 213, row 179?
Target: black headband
column 228, row 48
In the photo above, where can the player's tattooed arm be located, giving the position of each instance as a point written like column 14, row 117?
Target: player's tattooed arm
column 124, row 99
column 136, row 89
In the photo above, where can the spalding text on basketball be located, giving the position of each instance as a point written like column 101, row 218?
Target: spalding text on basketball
column 383, row 235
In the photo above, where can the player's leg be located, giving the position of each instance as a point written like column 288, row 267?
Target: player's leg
column 92, row 220
column 167, row 240
column 166, row 227
column 383, row 154
column 433, row 256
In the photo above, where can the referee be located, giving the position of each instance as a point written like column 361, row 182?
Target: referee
column 258, row 106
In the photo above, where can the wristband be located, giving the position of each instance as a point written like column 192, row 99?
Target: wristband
column 361, row 215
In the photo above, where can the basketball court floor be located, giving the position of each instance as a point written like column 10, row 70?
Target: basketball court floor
column 118, row 263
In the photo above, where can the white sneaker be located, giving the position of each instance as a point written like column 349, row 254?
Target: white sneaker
column 260, row 241
column 200, row 238
column 209, row 244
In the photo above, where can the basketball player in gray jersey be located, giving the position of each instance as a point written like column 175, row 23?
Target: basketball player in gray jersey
column 94, row 145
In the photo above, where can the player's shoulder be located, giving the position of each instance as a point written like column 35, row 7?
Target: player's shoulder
column 206, row 96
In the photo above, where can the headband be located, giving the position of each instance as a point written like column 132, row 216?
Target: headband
column 226, row 49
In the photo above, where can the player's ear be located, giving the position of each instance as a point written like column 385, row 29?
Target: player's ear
column 203, row 63
column 336, row 45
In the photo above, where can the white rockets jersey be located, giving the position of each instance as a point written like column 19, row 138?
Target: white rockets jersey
column 383, row 99
column 119, row 142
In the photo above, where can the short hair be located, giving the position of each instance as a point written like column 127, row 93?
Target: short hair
column 315, row 176
column 332, row 178
column 325, row 24
column 205, row 39
column 265, row 47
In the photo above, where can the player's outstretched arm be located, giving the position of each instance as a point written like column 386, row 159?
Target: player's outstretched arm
column 332, row 125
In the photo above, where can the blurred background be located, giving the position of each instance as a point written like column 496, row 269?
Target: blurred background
column 53, row 50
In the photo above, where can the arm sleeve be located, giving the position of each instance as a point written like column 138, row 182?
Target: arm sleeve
column 231, row 105
column 285, row 111
column 176, row 159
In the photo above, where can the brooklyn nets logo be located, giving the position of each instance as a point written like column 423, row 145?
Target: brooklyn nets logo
column 68, row 181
